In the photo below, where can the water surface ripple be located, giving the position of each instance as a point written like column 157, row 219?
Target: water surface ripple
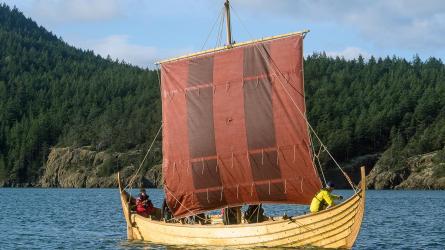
column 92, row 219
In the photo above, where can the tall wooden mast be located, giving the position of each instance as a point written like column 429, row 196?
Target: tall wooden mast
column 229, row 28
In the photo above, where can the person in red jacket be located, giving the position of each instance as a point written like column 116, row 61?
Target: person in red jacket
column 144, row 206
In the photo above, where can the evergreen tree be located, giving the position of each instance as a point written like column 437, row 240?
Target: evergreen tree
column 52, row 94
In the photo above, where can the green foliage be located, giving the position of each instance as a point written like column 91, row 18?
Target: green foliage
column 439, row 163
column 439, row 170
column 360, row 107
column 439, row 157
column 52, row 94
column 3, row 170
column 108, row 167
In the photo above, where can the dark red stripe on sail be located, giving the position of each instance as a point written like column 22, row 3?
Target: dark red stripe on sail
column 258, row 114
column 264, row 166
column 260, row 129
column 231, row 133
column 205, row 174
column 200, row 122
column 255, row 63
column 200, row 71
column 201, row 132
column 271, row 191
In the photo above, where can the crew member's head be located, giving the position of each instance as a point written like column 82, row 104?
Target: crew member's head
column 330, row 185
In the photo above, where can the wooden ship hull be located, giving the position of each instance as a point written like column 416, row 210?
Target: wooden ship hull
column 336, row 227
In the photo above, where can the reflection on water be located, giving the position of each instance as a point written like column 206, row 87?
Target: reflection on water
column 92, row 219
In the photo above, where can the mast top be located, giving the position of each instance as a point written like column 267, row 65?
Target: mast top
column 228, row 24
column 302, row 33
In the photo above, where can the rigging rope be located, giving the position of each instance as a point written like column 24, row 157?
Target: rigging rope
column 281, row 75
column 191, row 212
column 316, row 156
column 158, row 70
column 130, row 183
column 220, row 31
column 221, row 13
column 311, row 128
column 309, row 125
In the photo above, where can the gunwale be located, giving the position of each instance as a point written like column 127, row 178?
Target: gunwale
column 253, row 224
column 313, row 229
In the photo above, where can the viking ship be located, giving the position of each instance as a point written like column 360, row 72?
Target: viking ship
column 235, row 133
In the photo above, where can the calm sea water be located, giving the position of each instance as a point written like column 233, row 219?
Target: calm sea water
column 92, row 219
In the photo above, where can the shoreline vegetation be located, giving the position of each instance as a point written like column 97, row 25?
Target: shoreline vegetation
column 70, row 118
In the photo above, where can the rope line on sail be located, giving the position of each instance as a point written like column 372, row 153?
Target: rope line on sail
column 130, row 183
column 308, row 132
column 309, row 125
column 320, row 166
column 180, row 203
column 277, row 70
column 158, row 70
column 310, row 138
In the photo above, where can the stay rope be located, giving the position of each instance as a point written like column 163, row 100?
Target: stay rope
column 220, row 16
column 130, row 183
column 220, row 31
column 308, row 124
column 182, row 205
column 280, row 77
column 317, row 156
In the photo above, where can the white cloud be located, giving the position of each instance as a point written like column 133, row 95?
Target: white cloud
column 120, row 47
column 349, row 53
column 76, row 10
column 408, row 24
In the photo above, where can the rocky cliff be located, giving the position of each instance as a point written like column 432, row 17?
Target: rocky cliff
column 425, row 171
column 85, row 167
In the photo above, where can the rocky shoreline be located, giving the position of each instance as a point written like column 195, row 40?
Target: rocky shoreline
column 426, row 171
column 87, row 168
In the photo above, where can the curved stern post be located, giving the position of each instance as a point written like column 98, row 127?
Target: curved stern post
column 355, row 229
column 125, row 208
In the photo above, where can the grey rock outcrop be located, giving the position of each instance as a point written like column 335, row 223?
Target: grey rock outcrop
column 86, row 168
column 417, row 172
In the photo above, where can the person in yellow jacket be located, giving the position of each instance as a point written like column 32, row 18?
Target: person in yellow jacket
column 324, row 199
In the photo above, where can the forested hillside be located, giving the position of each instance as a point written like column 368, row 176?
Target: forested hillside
column 52, row 94
column 361, row 107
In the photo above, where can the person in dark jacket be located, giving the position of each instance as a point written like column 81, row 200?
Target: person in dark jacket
column 254, row 214
column 144, row 206
column 166, row 212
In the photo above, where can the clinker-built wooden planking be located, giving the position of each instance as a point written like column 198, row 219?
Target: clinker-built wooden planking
column 336, row 227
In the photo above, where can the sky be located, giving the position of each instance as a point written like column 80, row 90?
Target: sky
column 142, row 32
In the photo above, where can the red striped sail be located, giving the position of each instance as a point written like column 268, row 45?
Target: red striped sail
column 232, row 134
